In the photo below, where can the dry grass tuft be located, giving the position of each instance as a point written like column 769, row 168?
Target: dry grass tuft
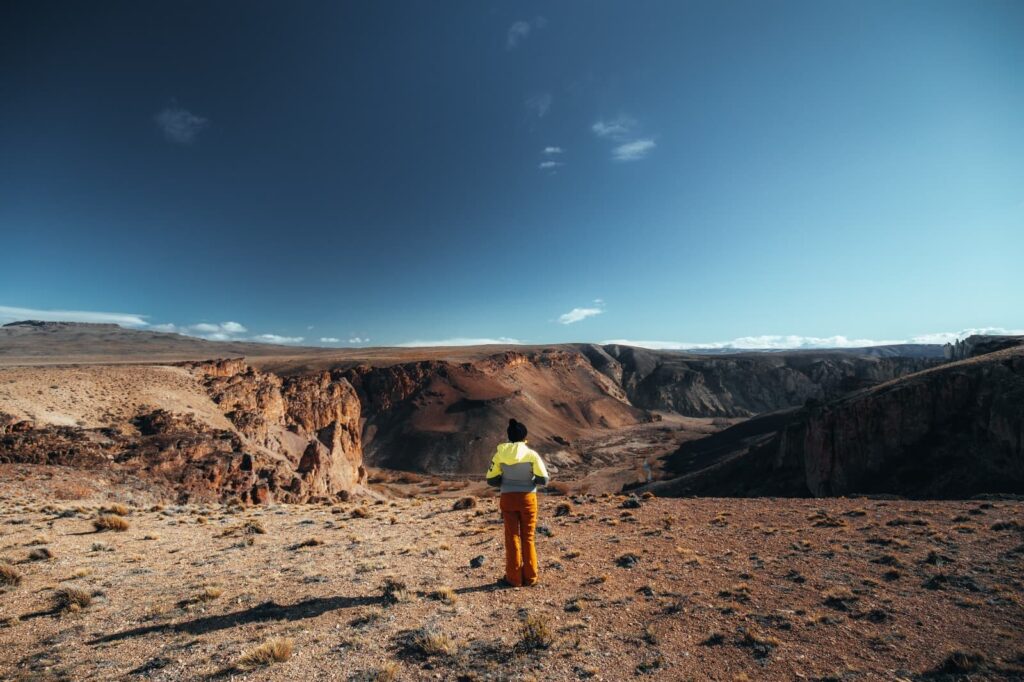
column 276, row 650
column 110, row 522
column 430, row 641
column 395, row 591
column 71, row 599
column 468, row 502
column 254, row 527
column 40, row 554
column 9, row 575
column 563, row 509
column 311, row 542
column 360, row 513
column 118, row 509
column 536, row 633
column 445, row 595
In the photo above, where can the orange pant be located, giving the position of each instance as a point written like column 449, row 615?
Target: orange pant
column 519, row 511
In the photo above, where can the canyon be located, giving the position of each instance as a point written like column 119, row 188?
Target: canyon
column 300, row 424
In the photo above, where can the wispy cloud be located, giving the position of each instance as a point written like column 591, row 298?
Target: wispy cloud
column 521, row 30
column 548, row 165
column 633, row 151
column 277, row 339
column 578, row 314
column 538, row 105
column 329, row 339
column 626, row 131
column 552, row 150
column 461, row 341
column 13, row 314
column 358, row 339
column 796, row 342
column 618, row 128
column 180, row 125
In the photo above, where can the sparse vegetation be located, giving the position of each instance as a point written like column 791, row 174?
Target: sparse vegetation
column 276, row 650
column 40, row 554
column 430, row 641
column 71, row 599
column 468, row 502
column 112, row 522
column 9, row 575
column 536, row 632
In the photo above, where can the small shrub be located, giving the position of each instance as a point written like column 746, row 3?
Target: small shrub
column 960, row 662
column 276, row 650
column 839, row 599
column 40, row 554
column 110, row 522
column 468, row 502
column 71, row 599
column 445, row 595
column 648, row 495
column 536, row 633
column 118, row 509
column 395, row 591
column 9, row 575
column 254, row 527
column 311, row 542
column 563, row 509
column 360, row 513
column 430, row 641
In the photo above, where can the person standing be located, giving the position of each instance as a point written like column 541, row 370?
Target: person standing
column 518, row 470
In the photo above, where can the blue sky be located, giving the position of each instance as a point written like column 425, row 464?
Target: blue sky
column 387, row 173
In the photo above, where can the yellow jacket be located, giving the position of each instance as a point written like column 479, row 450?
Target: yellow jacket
column 517, row 469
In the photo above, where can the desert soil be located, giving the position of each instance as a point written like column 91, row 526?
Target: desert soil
column 758, row 589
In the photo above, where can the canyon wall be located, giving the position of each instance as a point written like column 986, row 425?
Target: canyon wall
column 952, row 431
column 293, row 440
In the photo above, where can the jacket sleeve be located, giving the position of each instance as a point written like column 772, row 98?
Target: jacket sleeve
column 494, row 473
column 540, row 472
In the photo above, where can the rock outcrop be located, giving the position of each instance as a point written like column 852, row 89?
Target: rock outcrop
column 294, row 440
column 948, row 432
column 742, row 385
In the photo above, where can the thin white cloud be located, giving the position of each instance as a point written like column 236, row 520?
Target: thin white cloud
column 578, row 314
column 633, row 151
column 548, row 165
column 539, row 104
column 461, row 341
column 358, row 339
column 520, row 31
column 552, row 150
column 220, row 328
column 180, row 125
column 329, row 339
column 618, row 128
column 276, row 338
column 796, row 342
column 14, row 314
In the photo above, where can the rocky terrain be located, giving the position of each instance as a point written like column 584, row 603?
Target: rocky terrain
column 214, row 430
column 665, row 589
column 952, row 431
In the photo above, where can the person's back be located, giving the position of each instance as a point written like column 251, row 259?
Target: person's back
column 517, row 470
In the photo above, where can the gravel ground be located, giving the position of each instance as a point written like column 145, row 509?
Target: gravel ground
column 720, row 589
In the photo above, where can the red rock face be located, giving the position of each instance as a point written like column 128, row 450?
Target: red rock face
column 295, row 440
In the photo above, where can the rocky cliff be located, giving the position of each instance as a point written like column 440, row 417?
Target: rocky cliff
column 293, row 440
column 952, row 431
column 742, row 385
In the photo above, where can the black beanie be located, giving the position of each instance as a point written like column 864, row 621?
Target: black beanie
column 516, row 431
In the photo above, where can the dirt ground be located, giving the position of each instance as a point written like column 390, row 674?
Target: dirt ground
column 841, row 589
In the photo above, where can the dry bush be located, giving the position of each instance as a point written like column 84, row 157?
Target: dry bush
column 276, row 650
column 253, row 527
column 115, row 508
column 110, row 522
column 9, row 575
column 464, row 503
column 388, row 672
column 648, row 495
column 536, row 633
column 360, row 513
column 311, row 542
column 40, row 554
column 395, row 591
column 563, row 509
column 840, row 598
column 430, row 641
column 445, row 595
column 71, row 599
column 574, row 554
